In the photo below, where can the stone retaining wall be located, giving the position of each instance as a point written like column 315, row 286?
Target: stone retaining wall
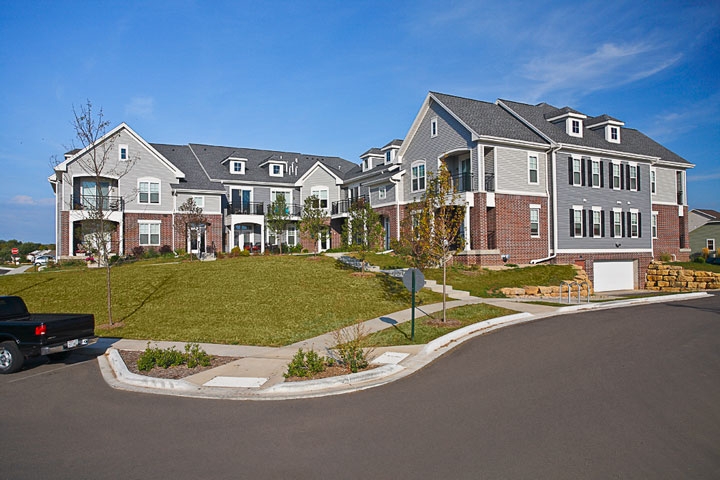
column 674, row 278
column 551, row 291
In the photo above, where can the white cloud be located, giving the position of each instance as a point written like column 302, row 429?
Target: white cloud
column 703, row 177
column 140, row 107
column 28, row 200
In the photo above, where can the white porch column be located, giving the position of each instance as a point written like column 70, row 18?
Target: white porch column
column 466, row 228
column 262, row 238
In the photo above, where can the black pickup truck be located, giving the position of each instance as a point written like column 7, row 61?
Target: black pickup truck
column 23, row 334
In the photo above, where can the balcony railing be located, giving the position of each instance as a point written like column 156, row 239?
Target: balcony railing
column 489, row 182
column 108, row 203
column 343, row 206
column 463, row 182
column 680, row 197
column 291, row 209
column 247, row 208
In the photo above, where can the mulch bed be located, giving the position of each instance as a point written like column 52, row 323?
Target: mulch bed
column 131, row 358
column 333, row 371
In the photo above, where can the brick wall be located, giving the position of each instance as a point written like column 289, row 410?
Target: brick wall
column 132, row 229
column 670, row 227
column 513, row 227
column 587, row 260
column 62, row 240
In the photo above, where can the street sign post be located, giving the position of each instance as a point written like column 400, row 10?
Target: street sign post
column 414, row 280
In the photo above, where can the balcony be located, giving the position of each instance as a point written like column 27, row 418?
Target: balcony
column 291, row 209
column 247, row 208
column 343, row 206
column 489, row 182
column 463, row 182
column 106, row 203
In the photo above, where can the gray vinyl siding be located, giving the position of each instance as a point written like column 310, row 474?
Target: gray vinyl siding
column 451, row 136
column 212, row 202
column 319, row 178
column 389, row 192
column 666, row 185
column 607, row 198
column 699, row 236
column 512, row 171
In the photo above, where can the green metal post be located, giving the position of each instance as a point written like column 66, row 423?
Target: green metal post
column 412, row 328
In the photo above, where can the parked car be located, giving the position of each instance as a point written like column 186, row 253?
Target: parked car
column 23, row 334
column 44, row 259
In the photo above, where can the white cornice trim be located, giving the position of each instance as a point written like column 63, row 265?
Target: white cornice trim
column 606, row 153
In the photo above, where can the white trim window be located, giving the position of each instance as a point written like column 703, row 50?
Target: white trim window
column 617, row 223
column 614, row 135
column 149, row 231
column 595, row 173
column 535, row 221
column 654, row 224
column 653, row 181
column 388, row 156
column 577, row 229
column 292, row 235
column 199, row 201
column 237, row 167
column 616, row 172
column 322, row 194
column 433, row 127
column 710, row 244
column 633, row 169
column 577, row 171
column 418, row 176
column 533, row 174
column 597, row 222
column 123, row 153
column 382, row 192
column 634, row 224
column 276, row 169
column 149, row 191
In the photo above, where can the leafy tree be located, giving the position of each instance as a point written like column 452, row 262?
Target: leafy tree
column 277, row 217
column 433, row 225
column 189, row 215
column 363, row 231
column 100, row 162
column 314, row 219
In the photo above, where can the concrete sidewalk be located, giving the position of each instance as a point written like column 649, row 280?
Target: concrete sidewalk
column 258, row 372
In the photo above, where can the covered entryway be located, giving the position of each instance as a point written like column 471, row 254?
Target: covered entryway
column 614, row 275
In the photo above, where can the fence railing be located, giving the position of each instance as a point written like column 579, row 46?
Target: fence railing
column 108, row 203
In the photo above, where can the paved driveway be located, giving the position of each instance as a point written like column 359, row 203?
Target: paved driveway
column 626, row 393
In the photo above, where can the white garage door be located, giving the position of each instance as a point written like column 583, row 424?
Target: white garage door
column 613, row 276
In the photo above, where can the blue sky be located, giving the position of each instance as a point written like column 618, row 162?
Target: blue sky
column 336, row 78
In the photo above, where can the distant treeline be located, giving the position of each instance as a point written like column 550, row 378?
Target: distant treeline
column 24, row 248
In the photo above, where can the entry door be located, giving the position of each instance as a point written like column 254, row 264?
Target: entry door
column 464, row 183
column 324, row 241
column 386, row 222
column 197, row 239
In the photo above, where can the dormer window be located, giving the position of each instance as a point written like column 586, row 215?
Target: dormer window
column 388, row 156
column 237, row 167
column 575, row 127
column 276, row 170
column 612, row 134
column 123, row 153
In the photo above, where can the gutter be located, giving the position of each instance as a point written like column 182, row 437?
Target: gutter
column 541, row 260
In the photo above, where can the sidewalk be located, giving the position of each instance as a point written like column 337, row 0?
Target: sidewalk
column 258, row 373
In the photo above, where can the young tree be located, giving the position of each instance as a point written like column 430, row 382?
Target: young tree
column 363, row 231
column 433, row 225
column 102, row 164
column 188, row 218
column 313, row 220
column 277, row 217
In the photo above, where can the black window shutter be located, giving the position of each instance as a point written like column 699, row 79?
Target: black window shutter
column 602, row 223
column 602, row 175
column 637, row 172
column 572, row 222
column 627, row 174
column 570, row 170
column 639, row 220
column 584, row 223
column 629, row 224
column 622, row 178
column 610, row 175
column 589, row 172
column 622, row 223
column 582, row 172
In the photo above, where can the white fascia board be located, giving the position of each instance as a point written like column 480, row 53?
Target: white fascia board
column 415, row 126
column 579, row 149
column 241, row 181
column 667, row 163
column 311, row 170
column 518, row 192
column 198, row 190
column 485, row 139
column 568, row 114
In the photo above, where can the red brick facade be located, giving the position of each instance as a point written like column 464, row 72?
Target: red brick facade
column 672, row 229
column 586, row 261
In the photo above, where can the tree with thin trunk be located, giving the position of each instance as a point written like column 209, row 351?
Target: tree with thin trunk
column 363, row 230
column 314, row 219
column 431, row 230
column 277, row 218
column 188, row 218
column 100, row 161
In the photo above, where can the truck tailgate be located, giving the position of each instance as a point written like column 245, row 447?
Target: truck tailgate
column 62, row 327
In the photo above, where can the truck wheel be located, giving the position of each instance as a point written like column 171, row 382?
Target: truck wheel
column 11, row 359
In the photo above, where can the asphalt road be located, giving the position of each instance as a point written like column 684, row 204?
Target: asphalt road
column 624, row 393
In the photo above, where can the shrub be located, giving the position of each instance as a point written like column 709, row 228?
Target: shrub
column 665, row 257
column 235, row 252
column 180, row 252
column 138, row 251
column 165, row 250
column 244, row 253
column 349, row 345
column 699, row 260
column 305, row 364
column 705, row 252
column 170, row 357
column 151, row 253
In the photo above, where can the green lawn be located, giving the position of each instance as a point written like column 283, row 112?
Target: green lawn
column 424, row 333
column 703, row 267
column 263, row 300
column 486, row 283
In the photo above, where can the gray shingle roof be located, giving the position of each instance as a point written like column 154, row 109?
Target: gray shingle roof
column 183, row 159
column 488, row 118
column 632, row 141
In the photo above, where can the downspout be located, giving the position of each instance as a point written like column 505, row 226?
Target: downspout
column 552, row 216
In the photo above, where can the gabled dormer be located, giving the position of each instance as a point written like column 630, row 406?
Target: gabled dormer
column 610, row 127
column 371, row 158
column 277, row 167
column 390, row 151
column 571, row 120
